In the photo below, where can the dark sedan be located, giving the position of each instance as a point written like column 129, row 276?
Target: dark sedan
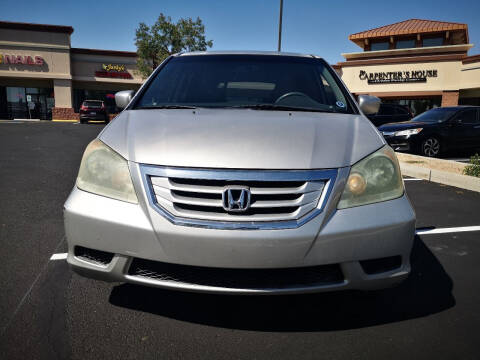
column 436, row 131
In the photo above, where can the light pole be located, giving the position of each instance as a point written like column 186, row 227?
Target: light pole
column 280, row 27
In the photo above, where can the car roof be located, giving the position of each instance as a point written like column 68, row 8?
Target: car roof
column 246, row 52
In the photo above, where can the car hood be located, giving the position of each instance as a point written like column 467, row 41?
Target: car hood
column 241, row 138
column 404, row 125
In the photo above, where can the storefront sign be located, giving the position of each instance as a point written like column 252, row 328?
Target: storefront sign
column 393, row 77
column 113, row 67
column 21, row 60
column 118, row 75
column 113, row 71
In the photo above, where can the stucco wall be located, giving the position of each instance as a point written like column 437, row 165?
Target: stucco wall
column 52, row 47
column 84, row 67
column 35, row 38
column 470, row 76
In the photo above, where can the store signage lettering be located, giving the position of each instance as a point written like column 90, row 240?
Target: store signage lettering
column 113, row 67
column 113, row 71
column 392, row 77
column 118, row 75
column 21, row 60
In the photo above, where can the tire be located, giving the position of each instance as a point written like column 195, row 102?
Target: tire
column 431, row 147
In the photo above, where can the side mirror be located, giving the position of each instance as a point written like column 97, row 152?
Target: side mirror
column 122, row 98
column 369, row 104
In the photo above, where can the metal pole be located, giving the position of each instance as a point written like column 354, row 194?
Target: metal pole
column 280, row 27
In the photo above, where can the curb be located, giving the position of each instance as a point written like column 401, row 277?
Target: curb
column 439, row 176
column 59, row 120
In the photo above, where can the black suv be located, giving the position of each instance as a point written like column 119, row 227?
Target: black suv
column 436, row 130
column 390, row 113
column 93, row 110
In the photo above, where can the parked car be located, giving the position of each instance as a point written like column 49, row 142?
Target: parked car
column 241, row 173
column 390, row 113
column 436, row 131
column 93, row 110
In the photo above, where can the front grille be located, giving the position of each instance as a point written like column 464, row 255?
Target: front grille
column 274, row 195
column 96, row 257
column 237, row 278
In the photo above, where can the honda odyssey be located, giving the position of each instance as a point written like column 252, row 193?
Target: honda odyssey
column 241, row 173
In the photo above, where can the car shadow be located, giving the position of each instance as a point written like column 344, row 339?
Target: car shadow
column 427, row 291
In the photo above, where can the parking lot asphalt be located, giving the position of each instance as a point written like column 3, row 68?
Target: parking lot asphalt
column 47, row 312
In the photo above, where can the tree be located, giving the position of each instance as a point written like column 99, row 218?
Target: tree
column 156, row 43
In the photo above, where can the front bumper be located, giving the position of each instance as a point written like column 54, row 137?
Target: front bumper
column 336, row 237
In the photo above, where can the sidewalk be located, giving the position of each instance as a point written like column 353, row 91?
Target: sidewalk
column 441, row 171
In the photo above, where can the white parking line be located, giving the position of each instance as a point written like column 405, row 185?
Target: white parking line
column 412, row 179
column 447, row 230
column 61, row 256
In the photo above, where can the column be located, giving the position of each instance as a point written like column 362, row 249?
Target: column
column 450, row 98
column 63, row 110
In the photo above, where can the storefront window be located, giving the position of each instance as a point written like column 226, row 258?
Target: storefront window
column 417, row 106
column 27, row 103
column 16, row 104
column 469, row 101
column 405, row 44
column 33, row 90
column 3, row 103
column 384, row 45
column 436, row 41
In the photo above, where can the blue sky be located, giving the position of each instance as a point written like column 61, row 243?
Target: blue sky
column 310, row 26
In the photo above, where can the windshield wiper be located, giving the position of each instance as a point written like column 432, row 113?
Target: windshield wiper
column 166, row 107
column 278, row 107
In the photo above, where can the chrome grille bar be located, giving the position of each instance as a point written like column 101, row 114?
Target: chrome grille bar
column 279, row 199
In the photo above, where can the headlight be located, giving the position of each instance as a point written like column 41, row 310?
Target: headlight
column 373, row 179
column 408, row 132
column 104, row 172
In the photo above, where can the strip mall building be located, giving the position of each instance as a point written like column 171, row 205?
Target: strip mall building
column 43, row 77
column 419, row 63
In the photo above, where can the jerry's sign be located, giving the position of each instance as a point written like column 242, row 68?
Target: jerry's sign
column 113, row 67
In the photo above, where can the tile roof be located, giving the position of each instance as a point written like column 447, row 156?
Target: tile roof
column 412, row 26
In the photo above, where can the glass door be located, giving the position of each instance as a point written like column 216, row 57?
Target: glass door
column 39, row 103
column 16, row 103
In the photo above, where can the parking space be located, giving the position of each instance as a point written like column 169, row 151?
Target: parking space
column 47, row 312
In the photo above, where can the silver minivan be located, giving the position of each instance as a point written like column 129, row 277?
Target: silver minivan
column 241, row 173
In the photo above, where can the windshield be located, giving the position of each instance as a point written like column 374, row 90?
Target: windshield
column 262, row 82
column 92, row 103
column 435, row 115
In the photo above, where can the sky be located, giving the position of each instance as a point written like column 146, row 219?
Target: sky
column 309, row 26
